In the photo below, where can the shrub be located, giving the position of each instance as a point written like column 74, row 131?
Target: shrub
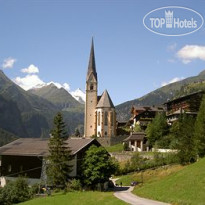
column 34, row 189
column 125, row 146
column 15, row 192
column 75, row 185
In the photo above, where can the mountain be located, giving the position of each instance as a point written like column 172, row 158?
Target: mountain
column 79, row 95
column 11, row 117
column 6, row 137
column 159, row 96
column 57, row 96
column 28, row 115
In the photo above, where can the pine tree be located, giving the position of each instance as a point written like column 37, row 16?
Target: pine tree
column 200, row 129
column 157, row 129
column 186, row 144
column 59, row 157
column 77, row 132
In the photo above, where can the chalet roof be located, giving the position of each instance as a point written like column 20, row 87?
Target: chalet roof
column 136, row 136
column 179, row 112
column 39, row 147
column 184, row 97
column 149, row 108
column 91, row 65
column 105, row 101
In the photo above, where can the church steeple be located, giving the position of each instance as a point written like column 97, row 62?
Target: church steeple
column 91, row 96
column 91, row 65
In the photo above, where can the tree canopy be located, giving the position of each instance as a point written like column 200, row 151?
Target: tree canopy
column 97, row 166
column 200, row 129
column 186, row 140
column 157, row 129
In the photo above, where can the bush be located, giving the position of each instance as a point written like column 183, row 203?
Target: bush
column 35, row 189
column 75, row 185
column 138, row 163
column 126, row 146
column 15, row 192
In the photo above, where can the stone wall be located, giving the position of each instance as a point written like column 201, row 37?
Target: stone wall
column 109, row 141
column 122, row 157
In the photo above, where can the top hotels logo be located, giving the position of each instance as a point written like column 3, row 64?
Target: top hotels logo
column 173, row 21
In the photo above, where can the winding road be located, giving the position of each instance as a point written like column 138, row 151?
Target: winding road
column 125, row 194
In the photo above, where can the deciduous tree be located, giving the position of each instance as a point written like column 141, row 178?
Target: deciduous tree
column 98, row 166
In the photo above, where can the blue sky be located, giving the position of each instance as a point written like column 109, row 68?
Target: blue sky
column 55, row 37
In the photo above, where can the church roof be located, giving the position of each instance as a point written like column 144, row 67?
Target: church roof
column 91, row 65
column 105, row 101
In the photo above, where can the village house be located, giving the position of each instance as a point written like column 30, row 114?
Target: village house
column 136, row 142
column 27, row 157
column 143, row 115
column 188, row 104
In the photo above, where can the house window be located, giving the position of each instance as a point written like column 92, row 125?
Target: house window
column 105, row 133
column 138, row 144
column 98, row 118
column 106, row 118
column 132, row 142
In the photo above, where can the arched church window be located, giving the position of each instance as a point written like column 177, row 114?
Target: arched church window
column 106, row 118
column 91, row 87
column 98, row 118
column 111, row 118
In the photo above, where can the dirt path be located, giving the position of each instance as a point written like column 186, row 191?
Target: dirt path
column 125, row 194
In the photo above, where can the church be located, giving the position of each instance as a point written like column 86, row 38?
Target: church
column 100, row 115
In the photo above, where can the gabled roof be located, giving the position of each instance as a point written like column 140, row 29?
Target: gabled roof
column 91, row 65
column 105, row 101
column 135, row 136
column 184, row 97
column 39, row 147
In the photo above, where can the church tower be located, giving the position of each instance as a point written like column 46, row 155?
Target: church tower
column 91, row 96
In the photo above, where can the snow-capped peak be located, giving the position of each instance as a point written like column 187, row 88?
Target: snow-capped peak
column 79, row 95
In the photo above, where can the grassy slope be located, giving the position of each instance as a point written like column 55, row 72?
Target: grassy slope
column 115, row 148
column 150, row 175
column 74, row 198
column 184, row 187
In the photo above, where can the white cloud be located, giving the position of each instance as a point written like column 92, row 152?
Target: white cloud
column 176, row 79
column 8, row 62
column 31, row 69
column 33, row 81
column 29, row 81
column 191, row 52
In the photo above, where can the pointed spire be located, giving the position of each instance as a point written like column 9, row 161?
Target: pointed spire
column 105, row 101
column 91, row 65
